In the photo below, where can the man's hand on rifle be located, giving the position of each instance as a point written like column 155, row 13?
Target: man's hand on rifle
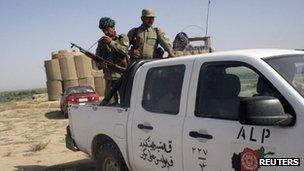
column 101, row 66
column 106, row 40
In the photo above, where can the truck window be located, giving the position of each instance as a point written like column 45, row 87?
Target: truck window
column 163, row 87
column 248, row 80
column 221, row 86
column 291, row 68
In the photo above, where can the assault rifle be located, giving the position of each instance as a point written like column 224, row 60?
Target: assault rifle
column 100, row 60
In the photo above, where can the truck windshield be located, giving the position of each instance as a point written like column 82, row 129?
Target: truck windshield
column 291, row 68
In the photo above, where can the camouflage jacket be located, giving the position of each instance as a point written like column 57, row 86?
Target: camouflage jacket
column 149, row 39
column 117, row 49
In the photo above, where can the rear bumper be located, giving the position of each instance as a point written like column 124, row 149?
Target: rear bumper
column 69, row 141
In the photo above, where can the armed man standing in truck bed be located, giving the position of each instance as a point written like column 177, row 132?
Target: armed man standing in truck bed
column 146, row 38
column 114, row 48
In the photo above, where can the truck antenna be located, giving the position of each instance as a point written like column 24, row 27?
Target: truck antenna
column 207, row 20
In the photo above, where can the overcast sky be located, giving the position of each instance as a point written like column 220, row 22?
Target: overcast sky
column 31, row 29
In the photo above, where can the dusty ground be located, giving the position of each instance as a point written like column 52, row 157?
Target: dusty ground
column 32, row 138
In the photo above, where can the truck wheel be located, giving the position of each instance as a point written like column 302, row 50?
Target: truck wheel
column 109, row 158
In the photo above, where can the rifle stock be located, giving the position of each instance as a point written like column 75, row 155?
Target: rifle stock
column 99, row 59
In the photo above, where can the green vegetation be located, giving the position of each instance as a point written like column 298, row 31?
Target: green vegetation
column 9, row 96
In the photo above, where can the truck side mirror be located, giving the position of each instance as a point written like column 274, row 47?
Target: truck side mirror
column 263, row 110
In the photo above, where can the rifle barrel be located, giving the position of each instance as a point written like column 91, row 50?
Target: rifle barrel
column 99, row 59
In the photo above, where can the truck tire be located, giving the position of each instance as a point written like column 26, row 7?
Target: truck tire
column 109, row 158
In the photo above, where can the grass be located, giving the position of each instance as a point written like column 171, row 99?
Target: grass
column 9, row 96
column 38, row 147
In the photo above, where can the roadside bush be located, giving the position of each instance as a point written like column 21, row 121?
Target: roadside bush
column 9, row 96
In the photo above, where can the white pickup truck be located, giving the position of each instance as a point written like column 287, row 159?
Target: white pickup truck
column 219, row 111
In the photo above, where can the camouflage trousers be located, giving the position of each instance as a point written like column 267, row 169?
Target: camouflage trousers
column 109, row 84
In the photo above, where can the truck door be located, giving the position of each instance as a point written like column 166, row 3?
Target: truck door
column 158, row 117
column 213, row 139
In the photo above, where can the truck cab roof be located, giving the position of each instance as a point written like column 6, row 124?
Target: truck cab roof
column 252, row 53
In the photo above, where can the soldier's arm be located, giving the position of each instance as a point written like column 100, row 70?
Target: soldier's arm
column 98, row 51
column 131, row 35
column 164, row 42
column 122, row 46
column 135, row 43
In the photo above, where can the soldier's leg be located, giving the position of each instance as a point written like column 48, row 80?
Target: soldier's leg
column 120, row 92
column 110, row 85
column 107, row 87
column 116, row 97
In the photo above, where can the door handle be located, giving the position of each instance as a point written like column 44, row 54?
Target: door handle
column 195, row 134
column 142, row 126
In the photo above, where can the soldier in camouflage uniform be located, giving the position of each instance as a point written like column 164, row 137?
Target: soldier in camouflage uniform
column 146, row 38
column 114, row 48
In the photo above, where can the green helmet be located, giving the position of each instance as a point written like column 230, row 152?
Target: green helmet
column 106, row 22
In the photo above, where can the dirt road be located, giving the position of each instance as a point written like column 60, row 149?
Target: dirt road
column 32, row 138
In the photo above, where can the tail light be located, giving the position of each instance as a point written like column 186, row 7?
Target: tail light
column 71, row 100
column 93, row 97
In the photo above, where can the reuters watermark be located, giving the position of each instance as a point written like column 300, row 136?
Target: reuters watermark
column 279, row 162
